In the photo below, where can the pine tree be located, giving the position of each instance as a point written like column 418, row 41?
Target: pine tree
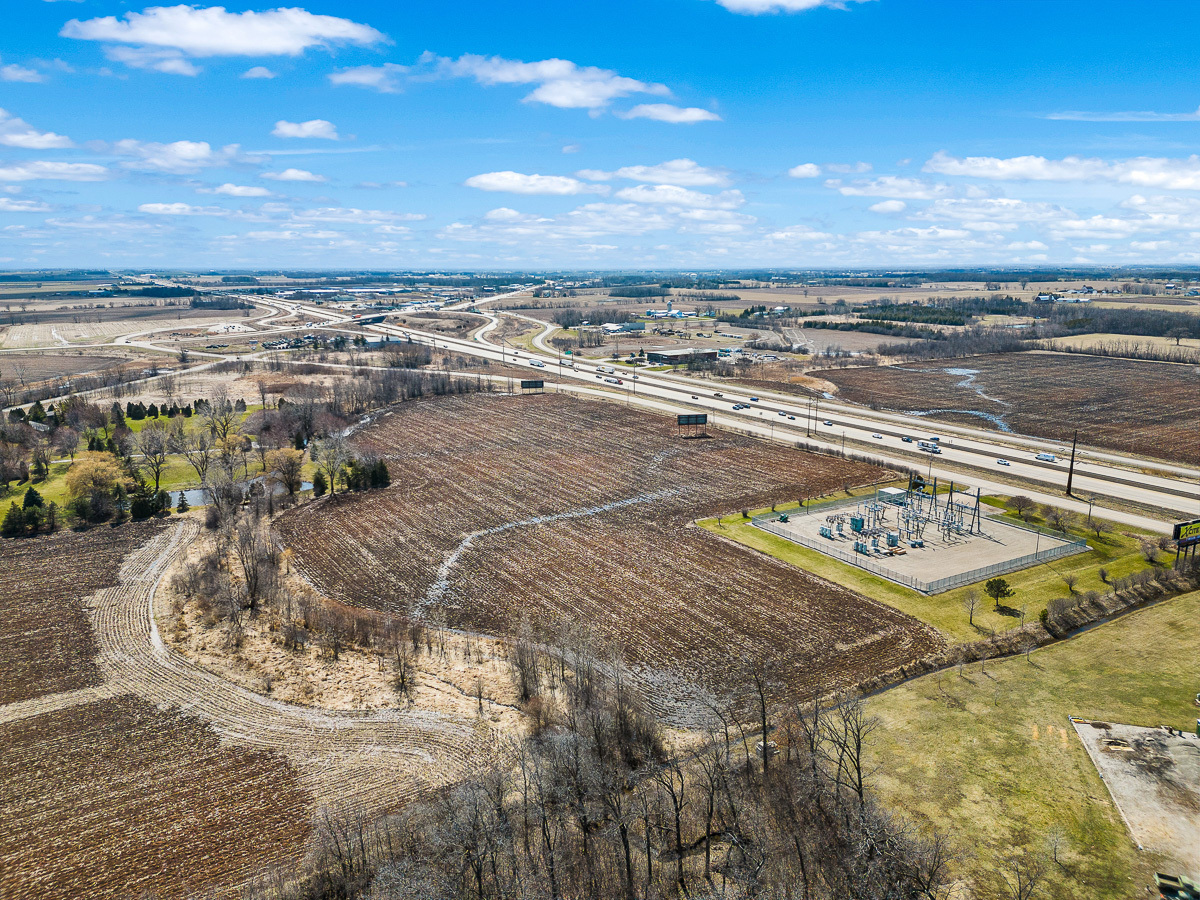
column 14, row 522
column 183, row 505
column 32, row 498
column 37, row 412
column 320, row 485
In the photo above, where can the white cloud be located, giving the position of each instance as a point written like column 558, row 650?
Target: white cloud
column 293, row 175
column 894, row 186
column 682, row 172
column 858, row 168
column 52, row 171
column 888, row 206
column 16, row 132
column 757, row 7
column 795, row 233
column 22, row 206
column 517, row 183
column 236, row 190
column 163, row 37
column 289, row 235
column 181, row 209
column 1143, row 171
column 673, row 195
column 571, row 148
column 313, row 128
column 666, row 112
column 560, row 82
column 259, row 72
column 13, row 72
column 805, row 170
column 385, row 78
column 1128, row 116
column 178, row 157
column 354, row 216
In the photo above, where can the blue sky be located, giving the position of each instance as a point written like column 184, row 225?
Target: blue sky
column 658, row 134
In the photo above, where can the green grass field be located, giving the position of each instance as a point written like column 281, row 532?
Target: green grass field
column 991, row 759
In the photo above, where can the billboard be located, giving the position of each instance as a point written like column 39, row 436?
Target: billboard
column 1187, row 533
column 692, row 419
column 532, row 385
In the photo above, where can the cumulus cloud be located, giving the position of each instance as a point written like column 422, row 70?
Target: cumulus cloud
column 894, row 186
column 805, row 170
column 177, row 157
column 181, row 209
column 354, row 216
column 1143, row 171
column 888, row 206
column 667, row 112
column 858, row 168
column 237, row 190
column 259, row 72
column 674, row 195
column 164, row 37
column 52, row 171
column 797, row 233
column 559, row 82
column 518, row 183
column 313, row 128
column 1127, row 116
column 13, row 72
column 385, row 78
column 682, row 172
column 293, row 175
column 22, row 206
column 758, row 7
column 16, row 132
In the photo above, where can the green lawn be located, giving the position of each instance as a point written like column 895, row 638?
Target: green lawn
column 991, row 759
column 1119, row 552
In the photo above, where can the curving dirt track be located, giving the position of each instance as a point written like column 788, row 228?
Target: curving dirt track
column 374, row 760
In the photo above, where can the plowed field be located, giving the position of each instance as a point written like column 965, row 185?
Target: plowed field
column 118, row 799
column 46, row 642
column 1147, row 408
column 560, row 509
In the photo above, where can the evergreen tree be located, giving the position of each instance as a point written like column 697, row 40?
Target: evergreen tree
column 115, row 416
column 379, row 475
column 298, row 440
column 183, row 505
column 152, row 411
column 320, row 485
column 52, row 517
column 32, row 498
column 14, row 522
column 37, row 412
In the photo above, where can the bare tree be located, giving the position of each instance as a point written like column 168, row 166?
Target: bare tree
column 196, row 448
column 153, row 444
column 1023, row 876
column 1070, row 579
column 1023, row 505
column 331, row 455
column 971, row 601
column 219, row 415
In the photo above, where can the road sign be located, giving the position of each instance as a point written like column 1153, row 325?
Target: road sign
column 532, row 385
column 1187, row 533
column 692, row 419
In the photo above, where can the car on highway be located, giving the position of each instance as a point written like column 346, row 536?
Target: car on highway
column 827, row 422
column 1003, row 462
column 877, row 436
column 791, row 418
column 718, row 394
column 611, row 381
column 782, row 413
column 1047, row 457
column 538, row 363
column 753, row 399
column 906, row 439
column 694, row 397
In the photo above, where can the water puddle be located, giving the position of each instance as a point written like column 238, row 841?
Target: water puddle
column 996, row 420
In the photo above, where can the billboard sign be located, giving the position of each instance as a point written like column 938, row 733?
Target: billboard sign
column 532, row 385
column 692, row 419
column 1187, row 533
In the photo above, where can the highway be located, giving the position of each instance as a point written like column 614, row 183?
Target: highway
column 783, row 417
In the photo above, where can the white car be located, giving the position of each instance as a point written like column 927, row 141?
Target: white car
column 877, row 436
column 827, row 422
column 1003, row 462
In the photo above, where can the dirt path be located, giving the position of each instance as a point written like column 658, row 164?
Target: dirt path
column 372, row 759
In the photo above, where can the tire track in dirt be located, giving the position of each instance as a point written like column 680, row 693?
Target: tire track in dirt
column 377, row 759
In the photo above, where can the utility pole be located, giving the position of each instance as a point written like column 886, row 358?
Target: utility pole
column 1071, row 471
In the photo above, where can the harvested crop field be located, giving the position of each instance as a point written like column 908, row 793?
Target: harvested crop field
column 563, row 510
column 46, row 641
column 1138, row 407
column 117, row 799
column 27, row 368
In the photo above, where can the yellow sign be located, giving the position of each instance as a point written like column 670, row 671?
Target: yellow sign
column 1188, row 531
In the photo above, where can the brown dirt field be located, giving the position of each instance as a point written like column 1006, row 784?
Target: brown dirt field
column 40, row 366
column 46, row 642
column 681, row 602
column 1137, row 407
column 118, row 799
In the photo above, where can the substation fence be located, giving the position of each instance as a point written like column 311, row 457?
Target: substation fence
column 770, row 522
